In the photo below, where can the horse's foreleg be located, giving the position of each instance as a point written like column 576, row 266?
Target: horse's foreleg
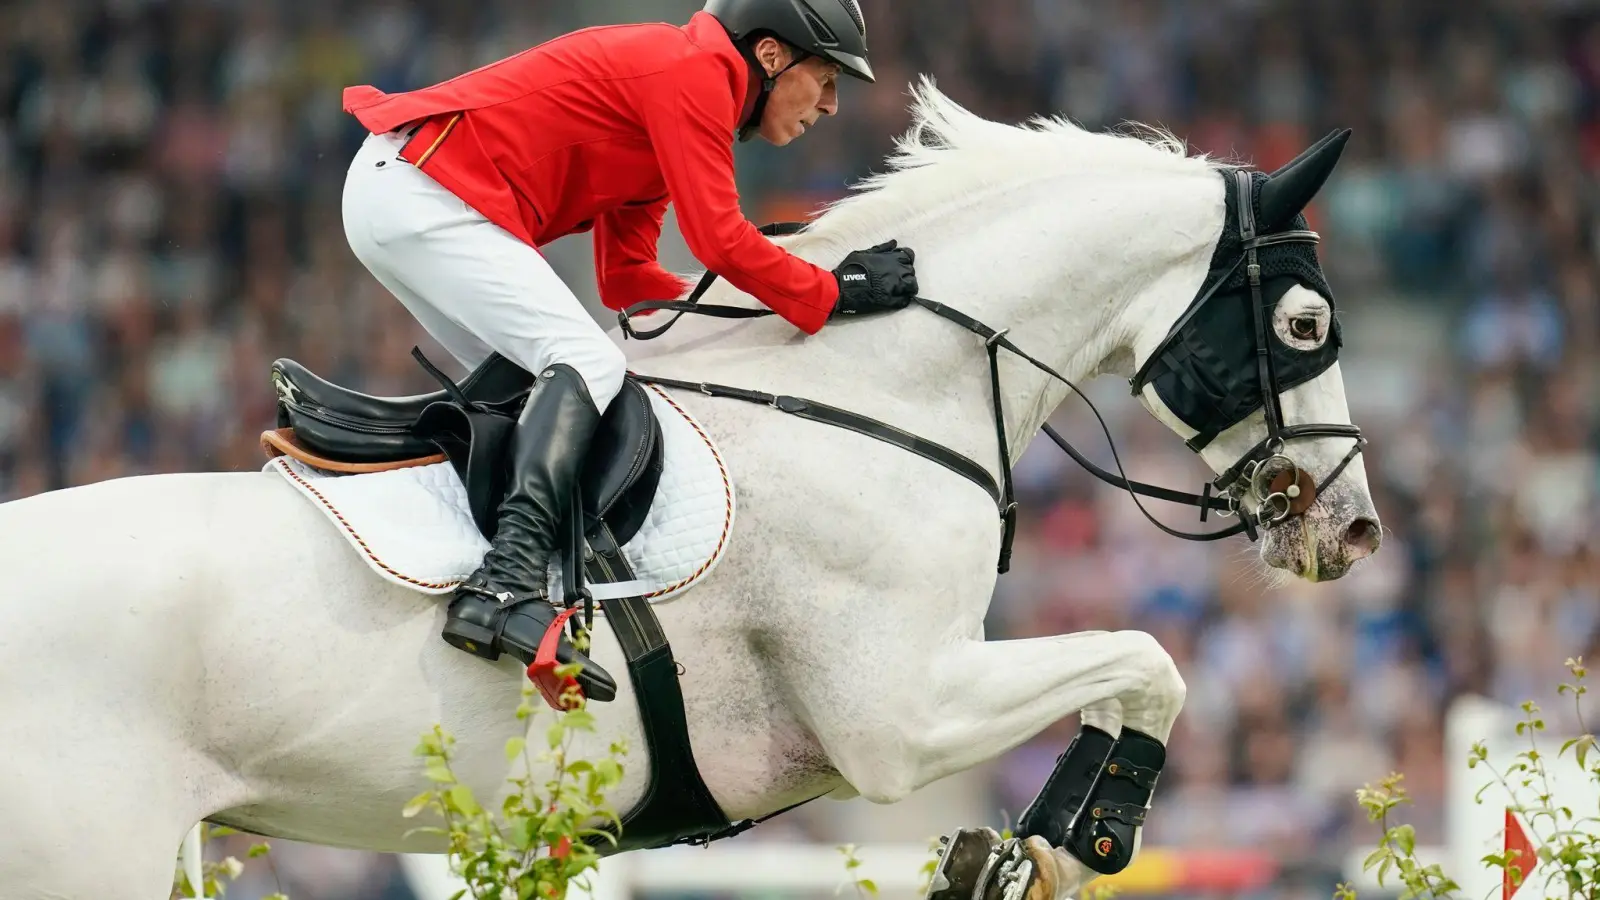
column 991, row 696
column 979, row 699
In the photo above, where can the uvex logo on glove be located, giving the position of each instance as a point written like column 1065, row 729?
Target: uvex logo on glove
column 878, row 279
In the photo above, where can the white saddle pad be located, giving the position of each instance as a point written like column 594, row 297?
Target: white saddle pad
column 413, row 526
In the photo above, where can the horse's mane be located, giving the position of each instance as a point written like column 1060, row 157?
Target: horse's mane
column 950, row 156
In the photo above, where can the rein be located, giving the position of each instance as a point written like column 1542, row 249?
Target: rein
column 1003, row 494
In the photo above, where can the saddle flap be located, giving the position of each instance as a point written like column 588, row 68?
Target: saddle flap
column 625, row 462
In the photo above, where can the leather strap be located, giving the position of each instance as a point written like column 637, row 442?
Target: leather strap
column 677, row 807
column 1130, row 813
column 843, row 418
column 1117, row 767
column 692, row 302
column 676, row 803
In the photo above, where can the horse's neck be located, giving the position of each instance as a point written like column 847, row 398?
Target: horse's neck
column 1078, row 272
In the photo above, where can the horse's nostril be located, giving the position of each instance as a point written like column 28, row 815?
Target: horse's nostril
column 1363, row 537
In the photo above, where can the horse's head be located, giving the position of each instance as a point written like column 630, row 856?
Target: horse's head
column 1248, row 376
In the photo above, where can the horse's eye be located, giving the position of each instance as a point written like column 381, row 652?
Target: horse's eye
column 1304, row 328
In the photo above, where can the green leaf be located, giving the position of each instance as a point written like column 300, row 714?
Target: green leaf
column 524, row 832
column 258, row 850
column 868, row 885
column 514, row 748
column 556, row 734
column 1406, row 837
column 580, row 718
column 417, row 804
column 461, row 797
column 438, row 771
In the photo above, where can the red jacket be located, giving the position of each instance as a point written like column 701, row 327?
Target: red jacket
column 600, row 129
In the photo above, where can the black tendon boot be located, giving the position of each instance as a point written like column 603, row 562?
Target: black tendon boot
column 504, row 606
column 1068, row 785
column 1103, row 836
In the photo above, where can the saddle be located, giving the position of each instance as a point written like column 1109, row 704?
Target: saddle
column 470, row 425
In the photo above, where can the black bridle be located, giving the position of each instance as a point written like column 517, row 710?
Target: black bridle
column 1244, row 480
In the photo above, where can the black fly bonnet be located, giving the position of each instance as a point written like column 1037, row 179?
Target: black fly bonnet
column 1223, row 360
column 1204, row 373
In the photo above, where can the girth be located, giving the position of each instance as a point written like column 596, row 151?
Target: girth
column 677, row 807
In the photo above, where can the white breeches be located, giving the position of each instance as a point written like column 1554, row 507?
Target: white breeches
column 471, row 284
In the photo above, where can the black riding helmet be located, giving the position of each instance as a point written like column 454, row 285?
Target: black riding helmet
column 831, row 29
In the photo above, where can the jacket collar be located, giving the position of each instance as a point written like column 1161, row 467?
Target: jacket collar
column 706, row 30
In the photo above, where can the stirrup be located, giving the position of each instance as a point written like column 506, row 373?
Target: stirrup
column 561, row 692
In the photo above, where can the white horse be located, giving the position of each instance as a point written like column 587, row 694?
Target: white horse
column 190, row 646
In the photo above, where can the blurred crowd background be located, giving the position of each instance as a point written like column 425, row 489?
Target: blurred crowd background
column 170, row 173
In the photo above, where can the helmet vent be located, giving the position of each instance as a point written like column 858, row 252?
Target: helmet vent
column 823, row 34
column 854, row 9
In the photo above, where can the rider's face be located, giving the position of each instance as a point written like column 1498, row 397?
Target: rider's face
column 802, row 95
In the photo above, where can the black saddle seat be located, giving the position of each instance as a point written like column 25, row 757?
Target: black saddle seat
column 355, row 427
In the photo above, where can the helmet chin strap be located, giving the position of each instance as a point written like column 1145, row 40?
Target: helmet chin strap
column 768, row 82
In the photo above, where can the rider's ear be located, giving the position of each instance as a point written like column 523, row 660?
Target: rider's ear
column 772, row 54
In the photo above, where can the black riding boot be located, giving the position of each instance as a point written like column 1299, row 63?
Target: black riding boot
column 504, row 607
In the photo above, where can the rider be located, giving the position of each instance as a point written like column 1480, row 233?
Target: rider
column 458, row 184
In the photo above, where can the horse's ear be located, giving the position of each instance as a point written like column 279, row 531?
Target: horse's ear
column 1288, row 190
column 1305, row 153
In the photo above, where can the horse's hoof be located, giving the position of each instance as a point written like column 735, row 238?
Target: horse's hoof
column 966, row 851
column 977, row 865
column 1044, row 869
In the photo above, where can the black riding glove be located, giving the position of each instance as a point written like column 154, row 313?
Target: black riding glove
column 877, row 279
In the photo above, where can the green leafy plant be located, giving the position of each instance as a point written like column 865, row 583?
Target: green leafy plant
column 1396, row 851
column 935, row 848
column 864, row 886
column 1568, row 850
column 539, row 844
